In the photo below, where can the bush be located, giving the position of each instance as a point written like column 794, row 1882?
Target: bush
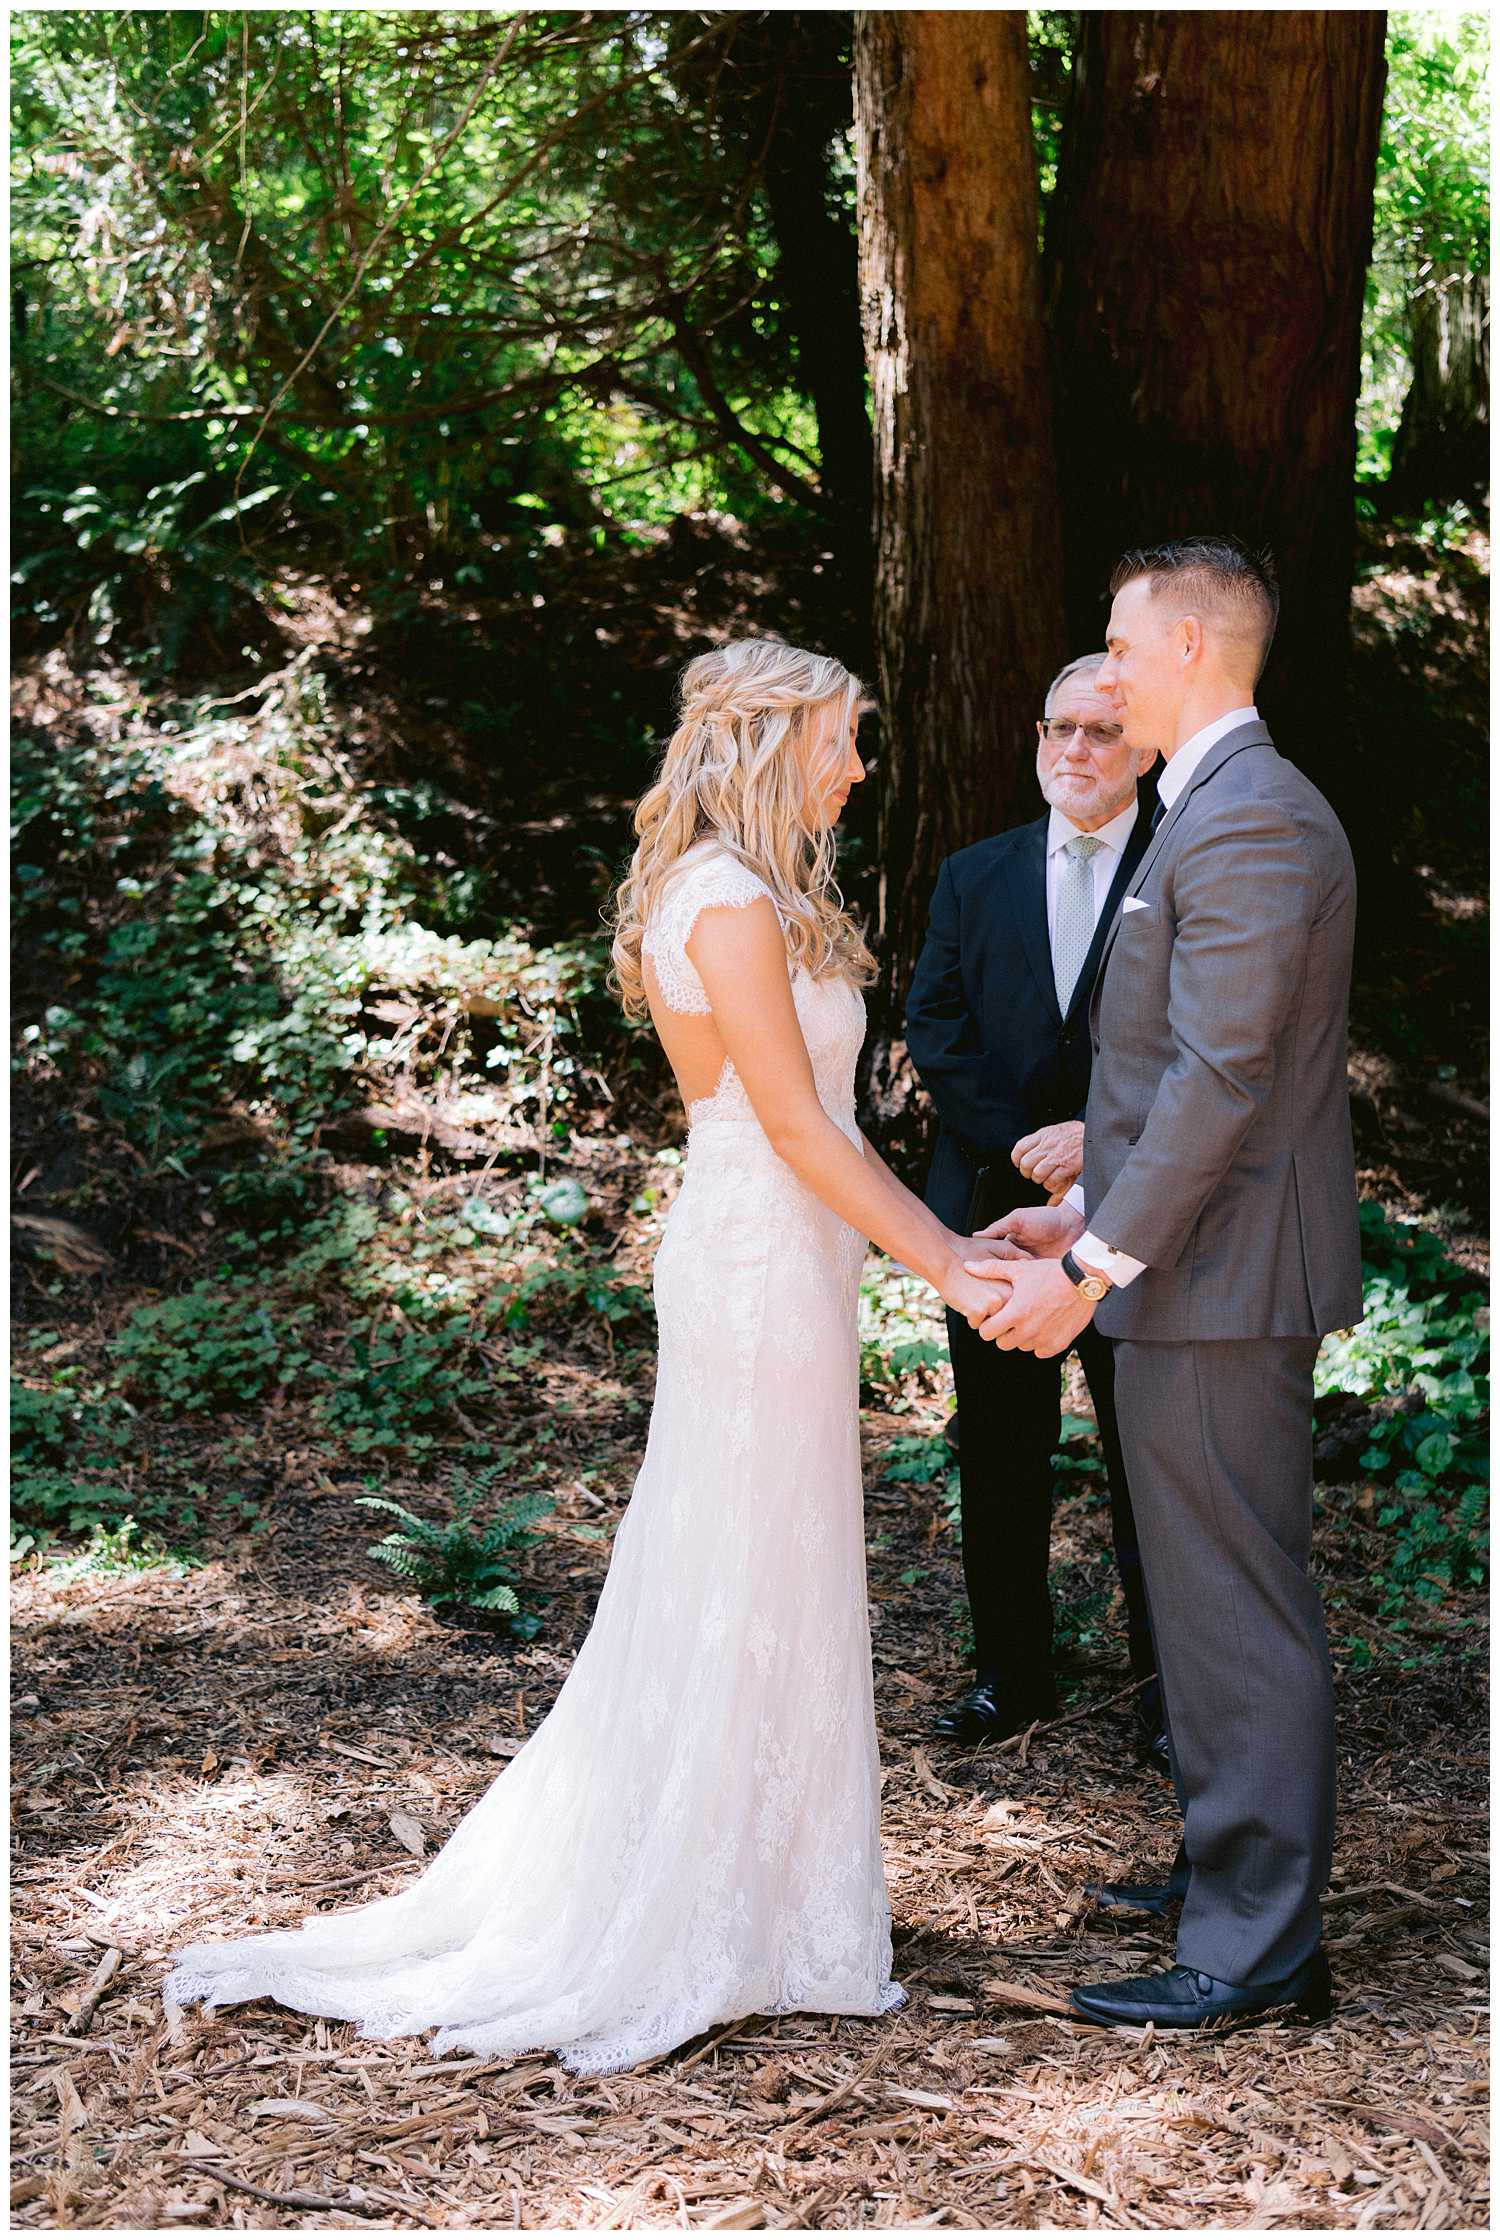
column 1419, row 1361
column 218, row 1346
column 68, row 1452
column 398, row 1377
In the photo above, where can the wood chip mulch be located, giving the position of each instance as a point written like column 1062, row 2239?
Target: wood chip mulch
column 283, row 1729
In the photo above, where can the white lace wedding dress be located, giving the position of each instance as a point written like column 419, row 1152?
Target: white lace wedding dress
column 693, row 1832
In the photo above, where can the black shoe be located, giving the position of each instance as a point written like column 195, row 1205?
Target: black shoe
column 1138, row 1897
column 1186, row 1999
column 1157, row 1897
column 990, row 1711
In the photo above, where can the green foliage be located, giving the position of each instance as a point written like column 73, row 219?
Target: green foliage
column 903, row 1347
column 448, row 288
column 1051, row 39
column 221, row 1345
column 1418, row 1357
column 166, row 568
column 567, row 1279
column 1420, row 1360
column 398, row 1384
column 70, row 1443
column 1432, row 222
column 467, row 1562
column 237, row 954
column 118, row 1552
column 929, row 1461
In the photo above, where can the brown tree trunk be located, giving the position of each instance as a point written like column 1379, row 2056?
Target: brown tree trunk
column 968, row 560
column 1207, row 253
column 1442, row 447
column 780, row 85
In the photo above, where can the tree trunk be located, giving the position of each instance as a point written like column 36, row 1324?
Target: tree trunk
column 816, row 248
column 783, row 79
column 1442, row 447
column 1207, row 254
column 968, row 561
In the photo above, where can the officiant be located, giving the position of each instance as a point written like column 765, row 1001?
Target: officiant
column 997, row 1027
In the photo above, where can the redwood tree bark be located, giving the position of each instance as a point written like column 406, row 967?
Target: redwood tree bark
column 968, row 616
column 1206, row 256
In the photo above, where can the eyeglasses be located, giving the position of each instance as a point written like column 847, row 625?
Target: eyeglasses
column 1058, row 730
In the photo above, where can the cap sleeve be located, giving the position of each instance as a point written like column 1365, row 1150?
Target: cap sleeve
column 710, row 882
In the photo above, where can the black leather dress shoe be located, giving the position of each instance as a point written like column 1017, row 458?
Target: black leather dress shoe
column 1143, row 1897
column 989, row 1711
column 1186, row 1999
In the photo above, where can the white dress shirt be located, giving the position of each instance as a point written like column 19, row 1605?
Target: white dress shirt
column 1103, row 864
column 1175, row 778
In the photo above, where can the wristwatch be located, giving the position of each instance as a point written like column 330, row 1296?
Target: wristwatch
column 1090, row 1286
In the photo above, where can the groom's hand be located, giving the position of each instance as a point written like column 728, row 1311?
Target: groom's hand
column 1043, row 1313
column 1044, row 1231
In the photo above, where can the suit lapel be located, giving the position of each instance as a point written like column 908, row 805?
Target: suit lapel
column 1134, row 849
column 1233, row 742
column 1028, row 875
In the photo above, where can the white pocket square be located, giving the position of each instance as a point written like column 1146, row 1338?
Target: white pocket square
column 1133, row 902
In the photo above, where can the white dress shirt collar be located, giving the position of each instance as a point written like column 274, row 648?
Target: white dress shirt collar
column 1176, row 775
column 1114, row 835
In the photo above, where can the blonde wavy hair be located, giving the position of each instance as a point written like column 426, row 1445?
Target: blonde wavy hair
column 732, row 771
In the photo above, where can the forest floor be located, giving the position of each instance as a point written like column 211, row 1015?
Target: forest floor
column 273, row 1723
column 202, row 1758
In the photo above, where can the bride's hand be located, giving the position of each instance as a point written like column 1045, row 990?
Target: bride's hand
column 973, row 1297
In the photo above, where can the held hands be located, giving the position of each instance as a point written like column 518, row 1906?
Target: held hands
column 969, row 1294
column 1041, row 1311
column 1051, row 1157
column 976, row 1300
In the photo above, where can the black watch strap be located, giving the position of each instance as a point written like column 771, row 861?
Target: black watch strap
column 1078, row 1275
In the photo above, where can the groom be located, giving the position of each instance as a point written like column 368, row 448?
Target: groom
column 1216, row 1237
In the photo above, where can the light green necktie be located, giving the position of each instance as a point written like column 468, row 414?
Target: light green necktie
column 1074, row 929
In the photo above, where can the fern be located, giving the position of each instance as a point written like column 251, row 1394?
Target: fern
column 467, row 1561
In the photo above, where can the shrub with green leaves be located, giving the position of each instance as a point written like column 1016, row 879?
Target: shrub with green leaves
column 468, row 1562
column 398, row 1377
column 69, row 1447
column 568, row 1279
column 1419, row 1360
column 220, row 1345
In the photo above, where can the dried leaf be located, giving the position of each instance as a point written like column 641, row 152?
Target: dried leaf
column 306, row 2111
column 409, row 1833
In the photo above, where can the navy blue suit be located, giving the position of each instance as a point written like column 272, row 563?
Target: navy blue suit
column 999, row 1059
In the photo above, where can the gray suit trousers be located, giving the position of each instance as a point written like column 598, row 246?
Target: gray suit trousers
column 1219, row 1439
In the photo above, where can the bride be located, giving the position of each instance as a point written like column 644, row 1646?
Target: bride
column 693, row 1833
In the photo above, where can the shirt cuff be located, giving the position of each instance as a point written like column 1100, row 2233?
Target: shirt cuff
column 1093, row 1252
column 1074, row 1198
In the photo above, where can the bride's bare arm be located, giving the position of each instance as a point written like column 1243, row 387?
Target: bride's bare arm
column 740, row 957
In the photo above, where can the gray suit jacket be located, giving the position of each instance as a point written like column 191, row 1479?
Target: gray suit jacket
column 1218, row 1145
